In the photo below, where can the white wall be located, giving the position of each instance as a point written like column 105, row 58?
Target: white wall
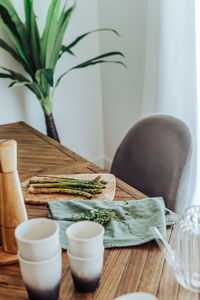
column 77, row 106
column 122, row 88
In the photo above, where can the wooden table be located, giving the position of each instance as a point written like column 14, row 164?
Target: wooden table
column 126, row 270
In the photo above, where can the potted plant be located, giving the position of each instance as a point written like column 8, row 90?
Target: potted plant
column 39, row 55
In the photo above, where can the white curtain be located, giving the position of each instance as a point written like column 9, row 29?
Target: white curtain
column 170, row 73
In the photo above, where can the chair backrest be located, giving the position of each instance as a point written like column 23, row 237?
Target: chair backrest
column 152, row 156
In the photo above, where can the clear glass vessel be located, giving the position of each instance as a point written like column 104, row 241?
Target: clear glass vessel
column 184, row 258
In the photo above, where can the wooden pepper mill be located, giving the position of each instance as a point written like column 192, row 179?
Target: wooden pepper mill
column 12, row 207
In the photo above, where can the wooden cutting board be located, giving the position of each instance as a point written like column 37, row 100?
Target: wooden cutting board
column 107, row 194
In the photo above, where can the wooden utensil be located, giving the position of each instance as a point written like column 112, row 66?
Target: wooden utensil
column 12, row 207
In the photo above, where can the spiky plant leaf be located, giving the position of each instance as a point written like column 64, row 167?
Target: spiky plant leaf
column 14, row 40
column 50, row 27
column 8, row 21
column 11, row 18
column 15, row 75
column 18, row 77
column 93, row 61
column 18, row 84
column 30, row 85
column 13, row 53
column 32, row 33
column 79, row 38
column 4, row 75
column 27, row 9
column 66, row 49
column 15, row 26
column 56, row 43
column 43, row 78
column 47, row 74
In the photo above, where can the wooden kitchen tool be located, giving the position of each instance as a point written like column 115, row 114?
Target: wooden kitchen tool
column 12, row 207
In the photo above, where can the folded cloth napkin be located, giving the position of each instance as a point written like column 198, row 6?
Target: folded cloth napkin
column 136, row 216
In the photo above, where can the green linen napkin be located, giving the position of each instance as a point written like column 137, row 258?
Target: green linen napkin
column 136, row 216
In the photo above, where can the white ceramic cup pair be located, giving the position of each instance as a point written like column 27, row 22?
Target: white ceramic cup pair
column 85, row 252
column 40, row 257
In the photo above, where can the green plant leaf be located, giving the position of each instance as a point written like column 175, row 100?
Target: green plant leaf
column 66, row 49
column 32, row 33
column 50, row 26
column 21, row 79
column 9, row 49
column 86, row 64
column 93, row 61
column 57, row 38
column 14, row 40
column 79, row 38
column 18, row 84
column 15, row 75
column 4, row 75
column 48, row 74
column 12, row 22
column 8, row 20
column 27, row 9
column 44, row 80
column 33, row 86
column 44, row 74
column 35, row 41
column 13, row 53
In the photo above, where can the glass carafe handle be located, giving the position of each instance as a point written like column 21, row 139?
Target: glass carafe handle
column 163, row 245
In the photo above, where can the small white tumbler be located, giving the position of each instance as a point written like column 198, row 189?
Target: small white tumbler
column 42, row 278
column 86, row 272
column 85, row 239
column 37, row 239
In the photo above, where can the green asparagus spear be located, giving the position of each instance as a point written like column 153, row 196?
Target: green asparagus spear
column 67, row 179
column 37, row 190
column 37, row 180
column 55, row 179
column 68, row 184
column 91, row 191
column 96, row 179
column 103, row 181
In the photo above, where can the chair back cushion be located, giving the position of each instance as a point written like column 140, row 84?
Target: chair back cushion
column 152, row 156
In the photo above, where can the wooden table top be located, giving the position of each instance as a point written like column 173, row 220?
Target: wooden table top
column 129, row 269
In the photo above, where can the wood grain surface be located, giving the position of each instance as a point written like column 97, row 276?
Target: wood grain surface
column 126, row 270
column 7, row 258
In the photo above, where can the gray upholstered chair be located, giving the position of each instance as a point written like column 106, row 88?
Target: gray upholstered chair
column 153, row 155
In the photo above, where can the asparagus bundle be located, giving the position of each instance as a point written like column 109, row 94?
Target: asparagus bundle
column 62, row 185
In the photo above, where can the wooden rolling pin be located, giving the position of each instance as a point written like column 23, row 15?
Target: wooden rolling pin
column 12, row 207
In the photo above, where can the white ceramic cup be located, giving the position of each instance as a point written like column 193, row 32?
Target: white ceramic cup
column 85, row 239
column 86, row 272
column 42, row 278
column 37, row 239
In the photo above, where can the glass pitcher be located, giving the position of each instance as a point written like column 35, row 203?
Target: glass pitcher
column 184, row 258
